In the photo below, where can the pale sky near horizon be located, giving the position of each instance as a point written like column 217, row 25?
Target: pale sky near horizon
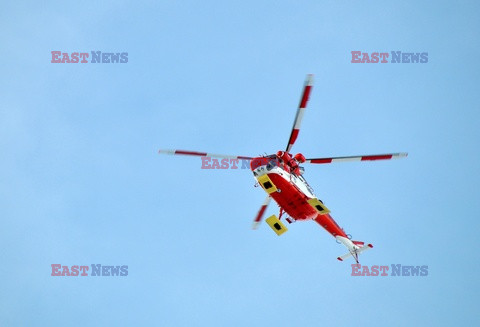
column 81, row 182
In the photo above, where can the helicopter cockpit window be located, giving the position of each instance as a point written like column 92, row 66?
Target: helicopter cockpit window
column 272, row 162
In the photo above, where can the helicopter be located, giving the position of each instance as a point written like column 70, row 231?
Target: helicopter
column 282, row 178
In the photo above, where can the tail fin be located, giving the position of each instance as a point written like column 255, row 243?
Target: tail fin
column 354, row 248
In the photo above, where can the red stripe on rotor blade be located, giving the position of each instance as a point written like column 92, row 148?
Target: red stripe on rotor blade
column 384, row 157
column 260, row 213
column 306, row 95
column 321, row 161
column 294, row 136
column 191, row 153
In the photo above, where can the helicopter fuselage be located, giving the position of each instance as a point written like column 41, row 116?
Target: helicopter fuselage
column 292, row 193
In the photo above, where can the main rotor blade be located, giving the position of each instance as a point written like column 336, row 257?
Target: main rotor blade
column 357, row 158
column 300, row 111
column 260, row 213
column 201, row 154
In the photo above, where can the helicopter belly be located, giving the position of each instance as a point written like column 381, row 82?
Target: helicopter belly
column 297, row 204
column 289, row 197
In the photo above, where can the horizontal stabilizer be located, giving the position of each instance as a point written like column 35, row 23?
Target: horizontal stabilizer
column 354, row 248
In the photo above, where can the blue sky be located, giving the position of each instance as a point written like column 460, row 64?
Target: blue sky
column 81, row 183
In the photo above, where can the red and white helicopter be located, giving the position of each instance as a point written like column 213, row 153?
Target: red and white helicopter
column 281, row 176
